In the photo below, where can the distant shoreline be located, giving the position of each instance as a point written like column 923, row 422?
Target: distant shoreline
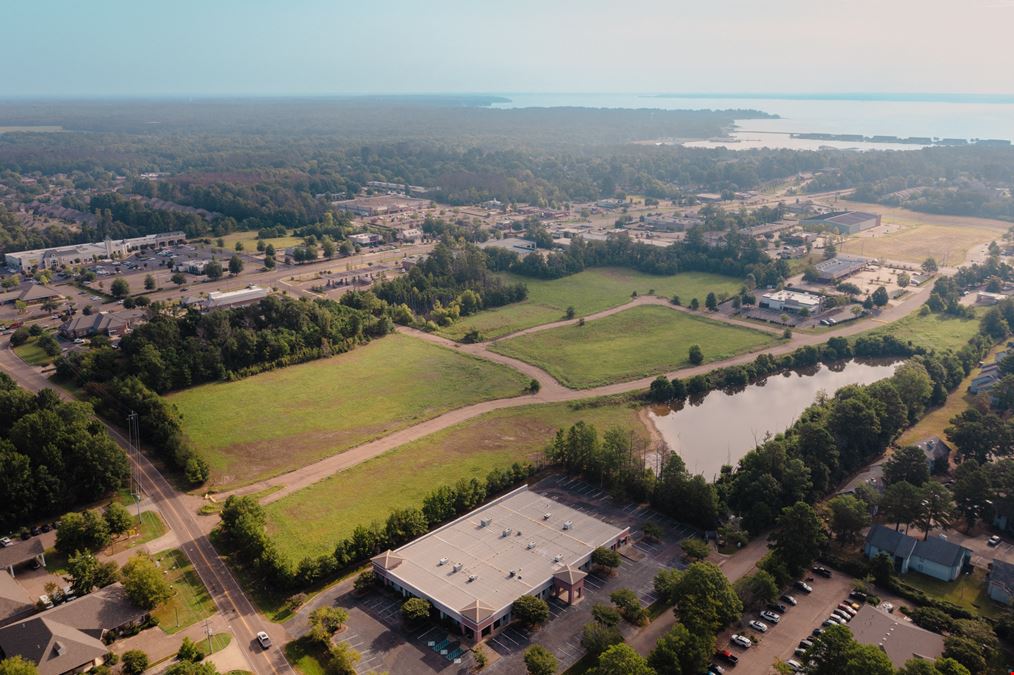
column 899, row 97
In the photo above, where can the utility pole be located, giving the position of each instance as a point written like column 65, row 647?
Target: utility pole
column 134, row 440
column 207, row 631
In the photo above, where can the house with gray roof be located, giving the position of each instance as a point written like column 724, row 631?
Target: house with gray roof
column 899, row 640
column 15, row 602
column 935, row 556
column 1000, row 581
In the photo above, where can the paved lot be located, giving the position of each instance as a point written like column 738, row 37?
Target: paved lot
column 797, row 622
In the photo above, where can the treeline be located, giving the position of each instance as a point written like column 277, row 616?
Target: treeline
column 53, row 456
column 120, row 217
column 737, row 257
column 242, row 530
column 453, row 281
column 16, row 235
column 174, row 352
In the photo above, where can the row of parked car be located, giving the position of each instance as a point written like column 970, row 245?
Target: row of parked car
column 27, row 533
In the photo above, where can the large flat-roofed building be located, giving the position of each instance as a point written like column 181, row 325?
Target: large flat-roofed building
column 473, row 569
column 513, row 244
column 839, row 267
column 845, row 222
column 900, row 640
column 72, row 254
column 790, row 301
column 381, row 205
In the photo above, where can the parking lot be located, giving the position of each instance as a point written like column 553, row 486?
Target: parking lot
column 796, row 623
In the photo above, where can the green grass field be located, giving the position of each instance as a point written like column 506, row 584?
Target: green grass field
column 933, row 331
column 191, row 601
column 587, row 292
column 311, row 521
column 249, row 240
column 151, row 527
column 278, row 421
column 638, row 342
column 966, row 591
column 32, row 354
column 307, row 656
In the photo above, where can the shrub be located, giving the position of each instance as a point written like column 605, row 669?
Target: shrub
column 415, row 609
column 530, row 611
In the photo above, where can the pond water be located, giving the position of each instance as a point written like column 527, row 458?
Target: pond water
column 725, row 426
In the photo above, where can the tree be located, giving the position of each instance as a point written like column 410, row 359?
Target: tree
column 269, row 262
column 120, row 288
column 189, row 651
column 213, row 270
column 605, row 558
column 695, row 549
column 571, row 312
column 117, row 517
column 540, row 661
column 681, row 652
column 235, row 264
column 134, row 662
column 607, row 615
column 343, row 659
column 757, row 588
column 238, row 246
column 972, row 490
column 534, row 386
column 326, row 621
column 849, row 515
column 17, row 665
column 630, row 607
column 191, row 668
column 704, row 600
column 834, row 652
column 929, row 266
column 904, row 279
column 415, row 609
column 966, row 652
column 149, row 282
column 269, row 250
column 366, row 579
column 86, row 572
column 907, row 464
column 798, row 537
column 530, row 611
column 901, row 503
column 85, row 531
column 696, row 355
column 937, row 505
column 621, row 659
column 711, row 302
column 880, row 296
column 597, row 637
column 144, row 583
column 178, row 279
column 695, row 304
column 47, row 343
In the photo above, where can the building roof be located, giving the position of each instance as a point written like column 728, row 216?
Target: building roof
column 54, row 647
column 20, row 551
column 227, row 298
column 892, row 541
column 105, row 609
column 29, row 292
column 900, row 640
column 843, row 217
column 14, row 600
column 1002, row 573
column 840, row 264
column 570, row 575
column 497, row 553
column 807, row 299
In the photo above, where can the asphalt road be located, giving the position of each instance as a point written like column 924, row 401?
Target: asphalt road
column 229, row 598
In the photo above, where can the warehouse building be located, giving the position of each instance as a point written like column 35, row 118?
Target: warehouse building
column 74, row 254
column 473, row 569
column 844, row 222
column 839, row 267
column 790, row 301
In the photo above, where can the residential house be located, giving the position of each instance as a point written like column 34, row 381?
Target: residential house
column 1000, row 581
column 15, row 603
column 935, row 557
column 936, row 452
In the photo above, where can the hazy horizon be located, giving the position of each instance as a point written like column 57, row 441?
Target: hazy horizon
column 312, row 48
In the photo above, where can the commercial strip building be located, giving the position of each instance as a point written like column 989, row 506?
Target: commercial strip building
column 381, row 205
column 227, row 299
column 844, row 222
column 473, row 569
column 899, row 640
column 73, row 254
column 113, row 324
column 30, row 293
column 839, row 267
column 790, row 301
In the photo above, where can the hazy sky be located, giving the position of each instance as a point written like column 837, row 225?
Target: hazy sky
column 208, row 47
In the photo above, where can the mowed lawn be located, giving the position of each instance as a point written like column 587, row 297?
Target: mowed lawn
column 277, row 421
column 641, row 341
column 932, row 331
column 311, row 521
column 587, row 292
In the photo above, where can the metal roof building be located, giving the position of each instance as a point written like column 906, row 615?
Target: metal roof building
column 474, row 568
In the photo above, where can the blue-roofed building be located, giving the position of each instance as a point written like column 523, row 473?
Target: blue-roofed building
column 935, row 557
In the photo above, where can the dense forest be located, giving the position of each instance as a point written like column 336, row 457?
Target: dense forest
column 53, row 456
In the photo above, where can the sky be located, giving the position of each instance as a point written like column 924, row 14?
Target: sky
column 94, row 48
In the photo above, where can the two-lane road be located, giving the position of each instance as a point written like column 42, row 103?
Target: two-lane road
column 229, row 598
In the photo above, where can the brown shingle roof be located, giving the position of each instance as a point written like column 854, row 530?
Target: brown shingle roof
column 54, row 647
column 15, row 602
column 20, row 551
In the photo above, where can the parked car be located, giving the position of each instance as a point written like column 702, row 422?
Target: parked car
column 5, row 541
column 858, row 595
column 46, row 528
column 770, row 616
column 789, row 599
column 848, row 609
column 822, row 571
column 795, row 665
column 25, row 535
column 777, row 607
column 994, row 540
column 727, row 656
column 834, row 619
column 799, row 651
column 805, row 643
column 759, row 626
column 817, row 632
column 841, row 615
column 264, row 640
column 887, row 607
column 36, row 531
column 741, row 640
column 805, row 587
column 44, row 601
column 716, row 669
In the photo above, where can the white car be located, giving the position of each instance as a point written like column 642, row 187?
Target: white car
column 994, row 540
column 795, row 665
column 836, row 619
column 5, row 541
column 759, row 626
column 771, row 617
column 742, row 640
column 264, row 640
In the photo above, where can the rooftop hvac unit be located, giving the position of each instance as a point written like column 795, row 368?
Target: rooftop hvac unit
column 567, row 524
column 507, row 532
column 484, row 522
column 511, row 573
column 456, row 567
column 531, row 545
column 545, row 516
column 442, row 561
column 558, row 557
column 472, row 577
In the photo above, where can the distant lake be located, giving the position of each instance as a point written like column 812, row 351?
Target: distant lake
column 955, row 116
column 724, row 427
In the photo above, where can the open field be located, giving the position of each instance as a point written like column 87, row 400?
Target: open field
column 967, row 591
column 638, row 342
column 277, row 421
column 587, row 292
column 313, row 520
column 249, row 240
column 32, row 354
column 923, row 235
column 932, row 331
column 191, row 601
column 151, row 527
column 306, row 656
